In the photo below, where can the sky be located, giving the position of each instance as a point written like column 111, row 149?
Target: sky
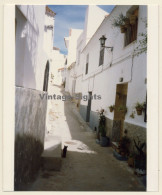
column 69, row 16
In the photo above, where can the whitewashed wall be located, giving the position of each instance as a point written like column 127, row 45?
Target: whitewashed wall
column 48, row 34
column 93, row 19
column 58, row 61
column 30, row 57
column 116, row 64
column 72, row 44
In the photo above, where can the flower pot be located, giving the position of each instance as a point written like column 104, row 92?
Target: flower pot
column 131, row 161
column 132, row 19
column 122, row 29
column 104, row 141
column 140, row 164
column 119, row 157
column 111, row 109
column 139, row 111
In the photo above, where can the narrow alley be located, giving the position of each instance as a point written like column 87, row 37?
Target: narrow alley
column 87, row 166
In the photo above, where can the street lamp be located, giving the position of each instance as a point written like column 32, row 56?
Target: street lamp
column 102, row 42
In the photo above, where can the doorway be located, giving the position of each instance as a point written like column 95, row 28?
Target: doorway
column 89, row 106
column 119, row 117
column 46, row 75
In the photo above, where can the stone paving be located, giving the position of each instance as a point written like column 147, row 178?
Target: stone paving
column 88, row 166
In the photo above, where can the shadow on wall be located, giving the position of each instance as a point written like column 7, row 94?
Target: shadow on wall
column 27, row 35
column 27, row 159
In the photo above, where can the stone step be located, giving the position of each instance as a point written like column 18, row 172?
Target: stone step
column 51, row 156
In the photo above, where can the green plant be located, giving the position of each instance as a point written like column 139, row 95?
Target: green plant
column 111, row 108
column 102, row 123
column 140, row 158
column 124, row 146
column 142, row 46
column 139, row 106
column 132, row 114
column 120, row 20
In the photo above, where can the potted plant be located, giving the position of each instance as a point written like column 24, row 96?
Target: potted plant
column 140, row 158
column 121, row 22
column 102, row 129
column 132, row 114
column 139, row 107
column 122, row 152
column 124, row 146
column 131, row 160
column 111, row 108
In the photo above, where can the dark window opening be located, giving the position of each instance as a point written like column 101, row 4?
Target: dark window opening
column 46, row 76
column 101, row 61
column 131, row 30
column 87, row 64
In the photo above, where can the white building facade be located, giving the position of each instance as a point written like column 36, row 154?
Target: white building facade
column 71, row 45
column 57, row 67
column 114, row 76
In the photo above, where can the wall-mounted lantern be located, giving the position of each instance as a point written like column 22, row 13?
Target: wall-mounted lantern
column 102, row 42
column 121, row 79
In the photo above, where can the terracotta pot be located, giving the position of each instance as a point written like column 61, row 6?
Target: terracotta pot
column 122, row 29
column 139, row 111
column 131, row 161
column 111, row 109
column 132, row 19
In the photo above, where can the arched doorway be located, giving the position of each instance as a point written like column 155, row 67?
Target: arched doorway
column 46, row 76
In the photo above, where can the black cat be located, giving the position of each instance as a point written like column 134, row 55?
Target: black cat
column 64, row 151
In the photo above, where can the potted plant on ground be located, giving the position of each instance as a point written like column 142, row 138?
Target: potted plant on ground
column 121, row 22
column 122, row 152
column 131, row 160
column 139, row 107
column 140, row 158
column 102, row 129
column 111, row 108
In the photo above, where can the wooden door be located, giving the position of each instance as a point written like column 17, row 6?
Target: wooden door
column 119, row 117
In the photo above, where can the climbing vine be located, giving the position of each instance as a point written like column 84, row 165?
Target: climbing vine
column 142, row 46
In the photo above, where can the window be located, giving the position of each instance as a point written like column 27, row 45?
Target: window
column 131, row 31
column 46, row 75
column 101, row 60
column 87, row 62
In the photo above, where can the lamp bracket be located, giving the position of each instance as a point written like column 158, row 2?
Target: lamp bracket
column 108, row 47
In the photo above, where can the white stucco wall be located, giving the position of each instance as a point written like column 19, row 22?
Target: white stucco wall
column 48, row 34
column 72, row 45
column 93, row 19
column 102, row 80
column 31, row 55
column 58, row 61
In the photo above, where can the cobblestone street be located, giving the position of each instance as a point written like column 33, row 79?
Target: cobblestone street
column 88, row 166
